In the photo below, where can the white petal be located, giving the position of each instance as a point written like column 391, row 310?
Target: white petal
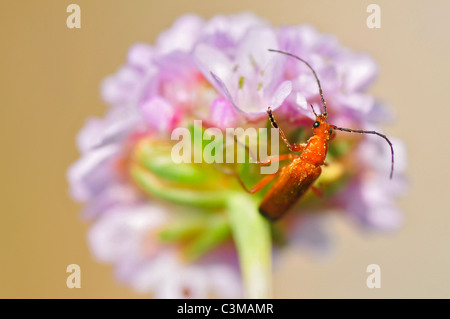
column 81, row 170
column 280, row 94
column 255, row 50
column 123, row 231
column 234, row 26
column 212, row 61
column 224, row 282
column 181, row 36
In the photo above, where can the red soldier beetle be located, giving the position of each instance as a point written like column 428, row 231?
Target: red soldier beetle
column 299, row 175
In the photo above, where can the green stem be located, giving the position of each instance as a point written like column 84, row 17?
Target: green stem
column 251, row 233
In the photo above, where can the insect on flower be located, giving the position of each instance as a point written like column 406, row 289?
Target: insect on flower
column 304, row 169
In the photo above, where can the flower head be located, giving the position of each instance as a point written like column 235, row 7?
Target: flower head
column 189, row 229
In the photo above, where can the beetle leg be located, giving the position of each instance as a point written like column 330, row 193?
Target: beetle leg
column 255, row 188
column 292, row 147
column 258, row 185
column 317, row 191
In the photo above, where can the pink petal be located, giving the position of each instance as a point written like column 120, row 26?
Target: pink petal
column 181, row 36
column 123, row 232
column 358, row 71
column 159, row 114
column 223, row 114
column 92, row 172
column 140, row 55
column 234, row 26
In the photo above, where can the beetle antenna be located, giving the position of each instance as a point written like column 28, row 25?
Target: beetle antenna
column 324, row 104
column 312, row 107
column 371, row 132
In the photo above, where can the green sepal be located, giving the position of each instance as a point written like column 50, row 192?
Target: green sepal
column 185, row 196
column 216, row 231
column 157, row 159
column 184, row 228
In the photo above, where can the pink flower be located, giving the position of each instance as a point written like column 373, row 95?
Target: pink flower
column 127, row 238
column 251, row 79
column 175, row 230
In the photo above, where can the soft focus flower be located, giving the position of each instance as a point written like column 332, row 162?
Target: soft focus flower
column 128, row 238
column 190, row 230
column 252, row 77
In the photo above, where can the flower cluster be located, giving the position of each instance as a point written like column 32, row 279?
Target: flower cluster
column 190, row 230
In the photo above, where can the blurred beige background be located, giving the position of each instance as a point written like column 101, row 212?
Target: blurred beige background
column 50, row 78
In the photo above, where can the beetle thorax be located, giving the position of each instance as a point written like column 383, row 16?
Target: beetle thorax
column 315, row 151
column 317, row 146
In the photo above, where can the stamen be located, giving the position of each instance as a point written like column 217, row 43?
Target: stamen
column 241, row 82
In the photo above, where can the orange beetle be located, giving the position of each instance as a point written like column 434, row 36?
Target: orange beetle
column 304, row 169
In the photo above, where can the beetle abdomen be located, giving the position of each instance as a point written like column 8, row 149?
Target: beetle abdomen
column 294, row 181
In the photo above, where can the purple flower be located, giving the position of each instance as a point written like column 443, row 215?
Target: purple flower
column 176, row 230
column 251, row 79
column 127, row 238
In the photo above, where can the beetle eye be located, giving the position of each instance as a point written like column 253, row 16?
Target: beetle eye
column 331, row 131
column 316, row 124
